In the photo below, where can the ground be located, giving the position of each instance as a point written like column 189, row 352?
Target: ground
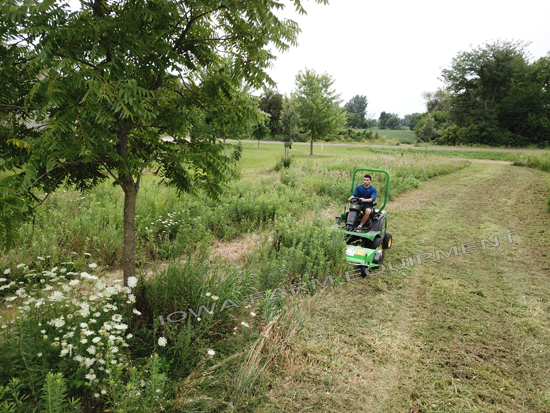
column 467, row 333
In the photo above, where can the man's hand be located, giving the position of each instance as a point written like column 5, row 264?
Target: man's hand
column 350, row 198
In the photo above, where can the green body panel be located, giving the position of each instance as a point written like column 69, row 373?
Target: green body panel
column 359, row 255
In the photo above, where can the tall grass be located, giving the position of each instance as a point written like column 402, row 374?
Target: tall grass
column 196, row 317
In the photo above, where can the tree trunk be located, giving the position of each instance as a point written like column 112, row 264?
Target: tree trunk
column 129, row 253
column 311, row 147
column 130, row 188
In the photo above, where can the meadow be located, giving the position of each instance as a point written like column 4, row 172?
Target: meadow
column 74, row 339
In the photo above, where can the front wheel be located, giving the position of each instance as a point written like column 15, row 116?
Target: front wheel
column 386, row 243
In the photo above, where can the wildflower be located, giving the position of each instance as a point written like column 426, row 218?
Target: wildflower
column 208, row 294
column 253, row 314
column 57, row 322
column 84, row 340
column 74, row 282
column 21, row 265
column 3, row 279
column 244, row 324
column 136, row 311
column 39, row 354
column 41, row 258
column 132, row 282
column 87, row 254
column 90, row 376
column 7, row 271
column 91, row 350
column 162, row 341
column 199, row 319
column 92, row 265
column 129, row 336
column 215, row 297
column 57, row 296
column 55, row 344
column 96, row 395
column 210, row 352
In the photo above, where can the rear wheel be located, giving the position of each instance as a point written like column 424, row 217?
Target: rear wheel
column 374, row 244
column 386, row 244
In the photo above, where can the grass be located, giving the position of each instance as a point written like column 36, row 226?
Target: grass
column 286, row 210
column 442, row 336
column 405, row 136
column 460, row 334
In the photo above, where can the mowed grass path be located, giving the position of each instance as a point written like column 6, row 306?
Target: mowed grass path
column 464, row 334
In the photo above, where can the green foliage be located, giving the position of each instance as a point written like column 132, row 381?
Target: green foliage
column 108, row 100
column 411, row 120
column 271, row 102
column 393, row 123
column 496, row 97
column 317, row 105
column 356, row 110
column 237, row 151
column 283, row 162
column 383, row 119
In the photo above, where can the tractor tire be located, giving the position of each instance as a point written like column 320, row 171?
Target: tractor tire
column 372, row 244
column 386, row 244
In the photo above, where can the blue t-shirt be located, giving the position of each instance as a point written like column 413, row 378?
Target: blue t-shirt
column 366, row 193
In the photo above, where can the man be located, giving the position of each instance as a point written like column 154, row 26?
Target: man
column 366, row 194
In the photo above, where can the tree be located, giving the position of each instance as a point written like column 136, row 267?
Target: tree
column 357, row 110
column 317, row 105
column 410, row 120
column 437, row 101
column 271, row 102
column 383, row 119
column 261, row 130
column 107, row 82
column 393, row 123
column 427, row 132
column 289, row 123
column 496, row 97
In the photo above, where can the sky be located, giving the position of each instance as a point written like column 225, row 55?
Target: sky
column 392, row 51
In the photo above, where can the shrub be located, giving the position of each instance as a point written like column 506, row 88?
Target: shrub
column 283, row 162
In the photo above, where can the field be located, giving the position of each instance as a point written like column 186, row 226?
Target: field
column 212, row 325
column 405, row 136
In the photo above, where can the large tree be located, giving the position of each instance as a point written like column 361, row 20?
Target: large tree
column 271, row 102
column 318, row 105
column 289, row 123
column 497, row 97
column 105, row 83
column 357, row 111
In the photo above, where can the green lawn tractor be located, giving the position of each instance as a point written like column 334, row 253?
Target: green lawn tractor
column 365, row 249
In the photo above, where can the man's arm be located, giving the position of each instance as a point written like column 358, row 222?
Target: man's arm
column 354, row 194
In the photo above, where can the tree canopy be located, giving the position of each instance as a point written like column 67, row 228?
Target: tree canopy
column 357, row 111
column 104, row 84
column 271, row 102
column 498, row 97
column 318, row 105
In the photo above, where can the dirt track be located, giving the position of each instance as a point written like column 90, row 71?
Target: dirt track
column 465, row 333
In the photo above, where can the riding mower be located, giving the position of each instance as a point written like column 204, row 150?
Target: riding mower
column 365, row 247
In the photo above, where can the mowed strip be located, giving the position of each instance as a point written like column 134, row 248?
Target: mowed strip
column 467, row 333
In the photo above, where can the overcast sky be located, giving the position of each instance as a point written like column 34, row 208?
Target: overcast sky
column 392, row 51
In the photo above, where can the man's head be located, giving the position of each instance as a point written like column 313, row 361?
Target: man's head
column 366, row 180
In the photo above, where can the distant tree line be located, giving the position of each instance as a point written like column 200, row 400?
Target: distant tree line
column 493, row 95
